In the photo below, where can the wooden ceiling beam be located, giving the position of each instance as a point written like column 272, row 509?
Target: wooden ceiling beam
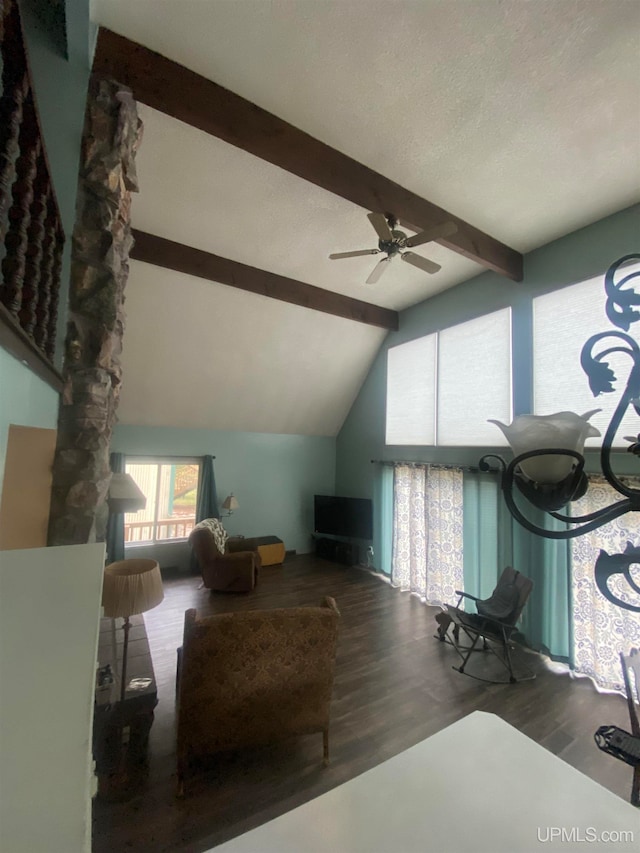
column 173, row 89
column 176, row 256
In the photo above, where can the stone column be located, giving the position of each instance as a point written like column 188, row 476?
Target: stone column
column 99, row 271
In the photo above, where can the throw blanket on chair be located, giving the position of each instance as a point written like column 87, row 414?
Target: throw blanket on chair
column 220, row 535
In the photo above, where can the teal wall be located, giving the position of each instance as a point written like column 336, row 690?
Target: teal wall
column 274, row 477
column 574, row 258
column 24, row 400
column 60, row 87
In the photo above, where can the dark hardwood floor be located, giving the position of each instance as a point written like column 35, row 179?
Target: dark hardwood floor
column 394, row 686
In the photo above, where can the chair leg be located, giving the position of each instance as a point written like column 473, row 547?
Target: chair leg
column 325, row 747
column 507, row 654
column 444, row 620
column 635, row 787
column 465, row 658
column 182, row 765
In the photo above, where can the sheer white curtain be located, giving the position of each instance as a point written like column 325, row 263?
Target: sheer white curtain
column 600, row 629
column 427, row 532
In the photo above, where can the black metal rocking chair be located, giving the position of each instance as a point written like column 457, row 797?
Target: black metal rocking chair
column 493, row 623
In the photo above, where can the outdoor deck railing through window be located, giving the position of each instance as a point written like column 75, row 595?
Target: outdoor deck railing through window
column 165, row 528
column 31, row 235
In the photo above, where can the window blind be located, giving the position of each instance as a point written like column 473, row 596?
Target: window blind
column 442, row 388
column 411, row 385
column 562, row 322
column 474, row 381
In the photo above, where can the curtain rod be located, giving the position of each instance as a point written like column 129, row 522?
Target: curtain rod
column 162, row 457
column 393, row 462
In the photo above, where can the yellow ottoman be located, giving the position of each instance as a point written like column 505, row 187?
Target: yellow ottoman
column 271, row 550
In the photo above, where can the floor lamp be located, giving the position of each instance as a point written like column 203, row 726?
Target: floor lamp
column 130, row 587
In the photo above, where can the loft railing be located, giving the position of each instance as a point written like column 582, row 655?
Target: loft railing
column 31, row 234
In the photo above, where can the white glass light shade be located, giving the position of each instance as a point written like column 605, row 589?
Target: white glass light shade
column 230, row 503
column 560, row 431
column 130, row 587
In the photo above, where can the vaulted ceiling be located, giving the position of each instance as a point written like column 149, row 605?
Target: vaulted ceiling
column 520, row 119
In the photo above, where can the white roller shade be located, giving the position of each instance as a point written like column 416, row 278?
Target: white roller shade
column 411, row 385
column 474, row 380
column 562, row 323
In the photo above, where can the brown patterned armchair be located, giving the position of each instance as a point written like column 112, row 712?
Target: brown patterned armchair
column 252, row 677
column 227, row 565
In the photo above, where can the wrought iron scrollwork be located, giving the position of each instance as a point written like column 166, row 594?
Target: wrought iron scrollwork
column 609, row 565
column 621, row 310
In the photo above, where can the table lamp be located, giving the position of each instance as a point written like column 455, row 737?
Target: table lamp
column 130, row 587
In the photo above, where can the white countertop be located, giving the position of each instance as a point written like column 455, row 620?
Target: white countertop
column 478, row 786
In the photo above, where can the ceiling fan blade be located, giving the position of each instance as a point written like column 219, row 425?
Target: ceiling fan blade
column 445, row 229
column 357, row 254
column 379, row 222
column 422, row 263
column 379, row 268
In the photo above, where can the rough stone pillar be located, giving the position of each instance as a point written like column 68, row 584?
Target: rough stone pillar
column 99, row 271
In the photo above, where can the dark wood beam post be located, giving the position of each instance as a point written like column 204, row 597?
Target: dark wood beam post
column 163, row 84
column 177, row 256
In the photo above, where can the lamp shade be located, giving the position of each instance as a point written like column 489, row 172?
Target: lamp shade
column 560, row 431
column 230, row 503
column 124, row 494
column 130, row 587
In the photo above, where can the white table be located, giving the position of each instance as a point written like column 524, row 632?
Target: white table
column 478, row 786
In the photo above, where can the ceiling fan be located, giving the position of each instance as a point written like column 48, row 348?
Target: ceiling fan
column 392, row 242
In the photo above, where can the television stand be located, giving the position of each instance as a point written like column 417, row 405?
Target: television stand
column 344, row 553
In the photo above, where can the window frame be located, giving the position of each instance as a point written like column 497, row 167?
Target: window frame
column 158, row 461
column 435, row 369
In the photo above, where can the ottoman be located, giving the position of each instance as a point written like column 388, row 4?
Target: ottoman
column 270, row 548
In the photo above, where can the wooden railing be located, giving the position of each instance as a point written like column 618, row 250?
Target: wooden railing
column 31, row 234
column 165, row 529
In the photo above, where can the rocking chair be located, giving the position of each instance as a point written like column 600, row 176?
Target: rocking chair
column 493, row 623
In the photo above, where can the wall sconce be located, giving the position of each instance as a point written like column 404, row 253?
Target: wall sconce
column 548, row 464
column 230, row 504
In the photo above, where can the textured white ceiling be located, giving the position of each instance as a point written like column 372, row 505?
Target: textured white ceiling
column 520, row 117
column 200, row 191
column 200, row 354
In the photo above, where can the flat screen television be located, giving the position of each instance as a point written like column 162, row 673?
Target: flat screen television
column 351, row 517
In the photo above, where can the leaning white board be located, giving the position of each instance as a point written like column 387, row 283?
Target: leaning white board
column 49, row 617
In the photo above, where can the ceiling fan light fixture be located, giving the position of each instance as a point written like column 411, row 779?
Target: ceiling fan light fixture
column 392, row 241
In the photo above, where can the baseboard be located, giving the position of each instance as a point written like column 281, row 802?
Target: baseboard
column 291, row 553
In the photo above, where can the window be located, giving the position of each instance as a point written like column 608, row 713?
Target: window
column 411, row 392
column 562, row 322
column 474, row 380
column 442, row 389
column 171, row 491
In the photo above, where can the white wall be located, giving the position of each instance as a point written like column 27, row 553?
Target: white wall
column 49, row 618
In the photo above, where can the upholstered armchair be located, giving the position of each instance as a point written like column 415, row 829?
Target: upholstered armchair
column 251, row 677
column 227, row 565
